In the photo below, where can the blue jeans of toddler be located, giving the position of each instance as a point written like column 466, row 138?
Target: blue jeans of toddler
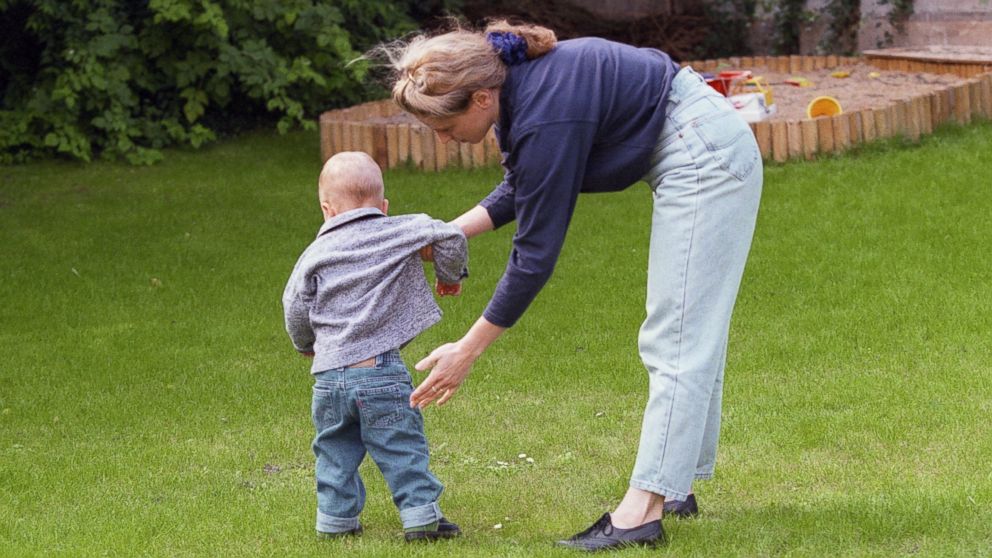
column 359, row 410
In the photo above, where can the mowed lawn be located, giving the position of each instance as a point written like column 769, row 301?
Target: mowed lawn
column 151, row 404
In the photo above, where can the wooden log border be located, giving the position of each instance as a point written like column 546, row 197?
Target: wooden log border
column 399, row 144
column 415, row 145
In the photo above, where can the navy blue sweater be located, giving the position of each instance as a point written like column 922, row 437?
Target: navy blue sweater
column 584, row 117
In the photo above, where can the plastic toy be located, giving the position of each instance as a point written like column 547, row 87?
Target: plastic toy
column 752, row 106
column 823, row 106
column 760, row 85
column 798, row 81
column 724, row 81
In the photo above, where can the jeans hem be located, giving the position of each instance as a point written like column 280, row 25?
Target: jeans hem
column 330, row 524
column 668, row 493
column 420, row 515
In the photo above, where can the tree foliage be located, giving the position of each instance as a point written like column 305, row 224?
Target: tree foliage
column 125, row 78
column 899, row 13
column 731, row 28
column 841, row 36
column 788, row 20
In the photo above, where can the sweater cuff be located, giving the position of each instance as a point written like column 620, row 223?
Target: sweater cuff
column 501, row 321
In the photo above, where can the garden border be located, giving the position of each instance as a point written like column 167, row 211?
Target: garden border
column 398, row 144
column 392, row 145
column 910, row 117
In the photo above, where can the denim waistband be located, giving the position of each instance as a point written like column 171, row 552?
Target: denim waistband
column 388, row 366
column 389, row 358
column 688, row 84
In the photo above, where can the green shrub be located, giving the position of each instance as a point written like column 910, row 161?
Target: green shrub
column 125, row 78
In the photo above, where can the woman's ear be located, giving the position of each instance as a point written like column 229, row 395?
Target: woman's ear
column 483, row 98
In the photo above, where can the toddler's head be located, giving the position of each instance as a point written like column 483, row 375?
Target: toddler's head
column 350, row 180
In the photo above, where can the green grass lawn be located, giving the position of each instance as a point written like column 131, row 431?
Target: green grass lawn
column 151, row 404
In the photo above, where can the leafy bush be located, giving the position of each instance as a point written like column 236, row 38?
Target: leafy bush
column 125, row 78
column 729, row 23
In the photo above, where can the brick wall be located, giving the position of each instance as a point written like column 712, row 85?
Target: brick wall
column 934, row 22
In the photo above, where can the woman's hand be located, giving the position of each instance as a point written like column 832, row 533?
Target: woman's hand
column 449, row 364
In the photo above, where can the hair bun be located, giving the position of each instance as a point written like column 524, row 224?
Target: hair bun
column 511, row 48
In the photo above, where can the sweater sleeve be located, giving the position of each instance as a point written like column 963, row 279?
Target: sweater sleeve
column 548, row 163
column 450, row 249
column 296, row 301
column 499, row 203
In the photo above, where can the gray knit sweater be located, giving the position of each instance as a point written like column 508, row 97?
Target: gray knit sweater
column 359, row 289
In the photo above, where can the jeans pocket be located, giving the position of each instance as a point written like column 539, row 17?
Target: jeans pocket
column 384, row 406
column 729, row 140
column 324, row 408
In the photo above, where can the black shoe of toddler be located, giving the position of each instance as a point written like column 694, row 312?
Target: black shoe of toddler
column 349, row 533
column 443, row 530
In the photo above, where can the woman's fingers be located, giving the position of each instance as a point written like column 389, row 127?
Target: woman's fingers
column 430, row 360
column 447, row 374
column 448, row 393
column 424, row 394
column 427, row 391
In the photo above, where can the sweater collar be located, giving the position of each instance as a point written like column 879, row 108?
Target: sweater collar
column 349, row 216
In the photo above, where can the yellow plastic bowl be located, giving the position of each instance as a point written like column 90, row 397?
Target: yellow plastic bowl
column 823, row 106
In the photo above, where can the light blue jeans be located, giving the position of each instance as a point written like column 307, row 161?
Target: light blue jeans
column 359, row 410
column 706, row 179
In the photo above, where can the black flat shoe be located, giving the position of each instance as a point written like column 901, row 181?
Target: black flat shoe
column 445, row 530
column 682, row 508
column 604, row 536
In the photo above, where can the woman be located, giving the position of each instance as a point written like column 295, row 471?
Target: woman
column 589, row 115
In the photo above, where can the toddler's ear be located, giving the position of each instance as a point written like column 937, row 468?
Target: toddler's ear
column 327, row 210
column 385, row 206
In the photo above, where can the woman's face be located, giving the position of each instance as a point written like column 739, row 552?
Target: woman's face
column 472, row 125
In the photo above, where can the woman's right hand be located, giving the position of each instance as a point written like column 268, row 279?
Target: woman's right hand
column 451, row 363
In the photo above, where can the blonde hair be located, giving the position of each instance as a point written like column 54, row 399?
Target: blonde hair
column 350, row 179
column 435, row 76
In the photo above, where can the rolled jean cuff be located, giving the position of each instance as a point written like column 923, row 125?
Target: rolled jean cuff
column 659, row 490
column 330, row 524
column 420, row 515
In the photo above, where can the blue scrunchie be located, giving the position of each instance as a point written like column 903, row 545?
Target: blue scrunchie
column 511, row 48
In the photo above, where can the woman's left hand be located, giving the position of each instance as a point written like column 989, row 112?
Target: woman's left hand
column 449, row 364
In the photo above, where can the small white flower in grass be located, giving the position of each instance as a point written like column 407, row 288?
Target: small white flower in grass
column 530, row 460
column 522, row 456
column 601, row 414
column 498, row 526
